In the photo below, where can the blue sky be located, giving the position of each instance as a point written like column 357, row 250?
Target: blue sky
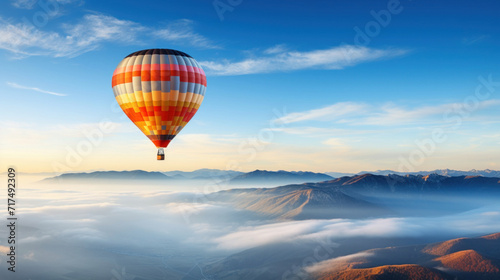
column 319, row 85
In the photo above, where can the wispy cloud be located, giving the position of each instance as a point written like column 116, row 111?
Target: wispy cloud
column 281, row 48
column 321, row 131
column 23, row 4
column 97, row 28
column 29, row 4
column 266, row 234
column 386, row 114
column 337, row 144
column 14, row 85
column 390, row 114
column 472, row 222
column 87, row 35
column 326, row 113
column 335, row 263
column 182, row 30
column 278, row 59
column 474, row 39
column 90, row 33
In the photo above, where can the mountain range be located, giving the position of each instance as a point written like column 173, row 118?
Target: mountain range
column 370, row 183
column 443, row 172
column 258, row 176
column 278, row 177
column 204, row 173
column 108, row 175
column 299, row 202
column 352, row 197
column 345, row 197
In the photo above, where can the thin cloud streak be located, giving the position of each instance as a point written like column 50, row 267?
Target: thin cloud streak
column 88, row 35
column 334, row 263
column 14, row 85
column 277, row 59
column 388, row 114
column 392, row 114
column 29, row 4
column 327, row 113
column 24, row 4
column 182, row 30
column 91, row 33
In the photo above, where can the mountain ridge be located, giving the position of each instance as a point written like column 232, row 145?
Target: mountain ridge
column 233, row 177
column 279, row 177
column 443, row 172
column 370, row 183
column 474, row 258
column 299, row 202
column 110, row 175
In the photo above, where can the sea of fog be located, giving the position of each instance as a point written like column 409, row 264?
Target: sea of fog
column 132, row 231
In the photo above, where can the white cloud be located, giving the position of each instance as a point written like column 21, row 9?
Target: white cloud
column 22, row 133
column 337, row 144
column 315, row 230
column 29, row 4
column 333, row 142
column 182, row 31
column 90, row 33
column 87, row 35
column 492, row 213
column 276, row 49
column 470, row 223
column 24, row 4
column 29, row 256
column 327, row 113
column 277, row 59
column 97, row 28
column 334, row 263
column 68, row 208
column 83, row 233
column 475, row 39
column 321, row 131
column 30, row 239
column 14, row 85
column 392, row 114
column 190, row 208
column 387, row 114
column 249, row 237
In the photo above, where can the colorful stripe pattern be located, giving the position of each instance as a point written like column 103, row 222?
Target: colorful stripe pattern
column 160, row 90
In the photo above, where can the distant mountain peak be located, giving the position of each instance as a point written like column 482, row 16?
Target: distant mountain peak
column 372, row 183
column 397, row 271
column 444, row 172
column 468, row 261
column 279, row 177
column 109, row 175
column 492, row 236
column 443, row 248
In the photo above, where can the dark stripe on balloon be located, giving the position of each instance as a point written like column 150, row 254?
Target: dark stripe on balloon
column 159, row 51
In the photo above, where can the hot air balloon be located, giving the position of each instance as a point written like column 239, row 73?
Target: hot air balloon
column 160, row 90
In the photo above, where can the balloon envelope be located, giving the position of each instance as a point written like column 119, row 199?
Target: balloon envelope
column 160, row 90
